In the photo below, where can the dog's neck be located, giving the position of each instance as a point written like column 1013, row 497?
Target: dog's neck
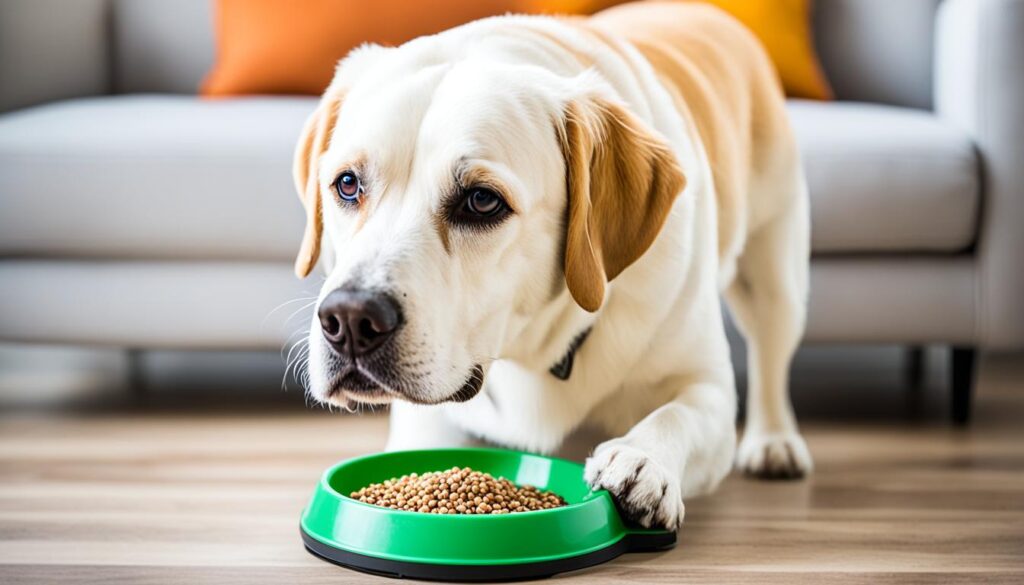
column 551, row 338
column 563, row 369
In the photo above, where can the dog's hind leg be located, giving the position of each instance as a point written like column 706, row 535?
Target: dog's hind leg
column 768, row 300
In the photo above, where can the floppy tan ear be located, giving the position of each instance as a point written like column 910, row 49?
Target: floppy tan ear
column 622, row 180
column 316, row 135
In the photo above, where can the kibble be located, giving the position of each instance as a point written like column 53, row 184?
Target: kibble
column 456, row 491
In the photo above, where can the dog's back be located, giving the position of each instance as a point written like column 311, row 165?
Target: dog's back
column 724, row 85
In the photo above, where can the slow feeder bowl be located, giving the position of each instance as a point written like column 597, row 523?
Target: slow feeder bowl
column 523, row 545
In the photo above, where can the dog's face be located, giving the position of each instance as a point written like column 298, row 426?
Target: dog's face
column 451, row 202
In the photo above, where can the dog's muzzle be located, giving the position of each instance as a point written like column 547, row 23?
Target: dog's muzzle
column 357, row 326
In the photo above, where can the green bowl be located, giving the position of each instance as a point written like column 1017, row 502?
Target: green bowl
column 522, row 545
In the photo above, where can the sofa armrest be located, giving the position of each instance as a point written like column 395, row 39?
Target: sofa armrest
column 979, row 87
column 52, row 49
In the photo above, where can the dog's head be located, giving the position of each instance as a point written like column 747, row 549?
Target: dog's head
column 450, row 200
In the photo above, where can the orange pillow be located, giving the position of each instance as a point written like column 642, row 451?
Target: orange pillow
column 292, row 46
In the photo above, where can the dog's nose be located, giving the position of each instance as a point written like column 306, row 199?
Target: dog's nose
column 358, row 322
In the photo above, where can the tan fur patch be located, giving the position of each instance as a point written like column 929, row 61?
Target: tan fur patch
column 313, row 141
column 724, row 85
column 441, row 224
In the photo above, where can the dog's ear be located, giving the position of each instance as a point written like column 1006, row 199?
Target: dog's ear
column 622, row 180
column 316, row 135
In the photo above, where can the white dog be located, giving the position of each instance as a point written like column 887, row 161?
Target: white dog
column 526, row 224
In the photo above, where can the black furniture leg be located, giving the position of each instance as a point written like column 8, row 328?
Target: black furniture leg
column 913, row 366
column 962, row 383
column 136, row 375
column 913, row 379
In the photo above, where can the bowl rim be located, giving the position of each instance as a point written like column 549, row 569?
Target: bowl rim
column 593, row 496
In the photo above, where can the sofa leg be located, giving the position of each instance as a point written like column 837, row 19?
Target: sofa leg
column 962, row 383
column 136, row 374
column 914, row 365
column 913, row 380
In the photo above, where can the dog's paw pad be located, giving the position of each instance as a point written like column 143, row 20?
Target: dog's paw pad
column 642, row 488
column 774, row 455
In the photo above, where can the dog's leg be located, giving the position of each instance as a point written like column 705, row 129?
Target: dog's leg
column 414, row 426
column 682, row 449
column 768, row 301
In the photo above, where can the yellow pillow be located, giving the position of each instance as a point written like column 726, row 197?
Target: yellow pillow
column 783, row 26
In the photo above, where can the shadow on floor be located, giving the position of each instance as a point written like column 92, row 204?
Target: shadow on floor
column 829, row 383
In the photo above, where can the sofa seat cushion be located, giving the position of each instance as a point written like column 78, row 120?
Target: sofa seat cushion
column 152, row 177
column 179, row 177
column 886, row 179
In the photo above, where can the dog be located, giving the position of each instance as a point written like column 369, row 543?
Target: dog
column 528, row 224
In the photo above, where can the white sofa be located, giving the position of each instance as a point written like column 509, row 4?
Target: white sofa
column 135, row 214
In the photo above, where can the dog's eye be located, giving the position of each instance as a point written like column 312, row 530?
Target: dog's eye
column 348, row 186
column 477, row 207
column 484, row 203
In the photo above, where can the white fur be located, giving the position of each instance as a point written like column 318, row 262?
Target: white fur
column 655, row 371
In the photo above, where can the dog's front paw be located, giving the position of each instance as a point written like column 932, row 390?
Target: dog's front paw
column 642, row 488
column 774, row 455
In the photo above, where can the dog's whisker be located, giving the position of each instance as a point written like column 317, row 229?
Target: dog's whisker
column 300, row 360
column 308, row 300
column 297, row 333
column 300, row 371
column 289, row 343
column 299, row 311
column 299, row 345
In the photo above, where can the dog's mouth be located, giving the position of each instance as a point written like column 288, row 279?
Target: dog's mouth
column 471, row 387
column 358, row 385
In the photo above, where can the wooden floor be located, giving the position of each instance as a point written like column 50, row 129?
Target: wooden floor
column 214, row 497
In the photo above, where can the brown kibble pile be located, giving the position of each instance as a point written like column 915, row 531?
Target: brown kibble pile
column 456, row 491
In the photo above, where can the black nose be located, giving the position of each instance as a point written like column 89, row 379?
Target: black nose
column 357, row 322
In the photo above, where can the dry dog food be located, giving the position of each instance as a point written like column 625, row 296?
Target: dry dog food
column 456, row 491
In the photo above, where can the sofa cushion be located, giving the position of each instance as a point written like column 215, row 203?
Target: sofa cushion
column 153, row 177
column 886, row 179
column 180, row 177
